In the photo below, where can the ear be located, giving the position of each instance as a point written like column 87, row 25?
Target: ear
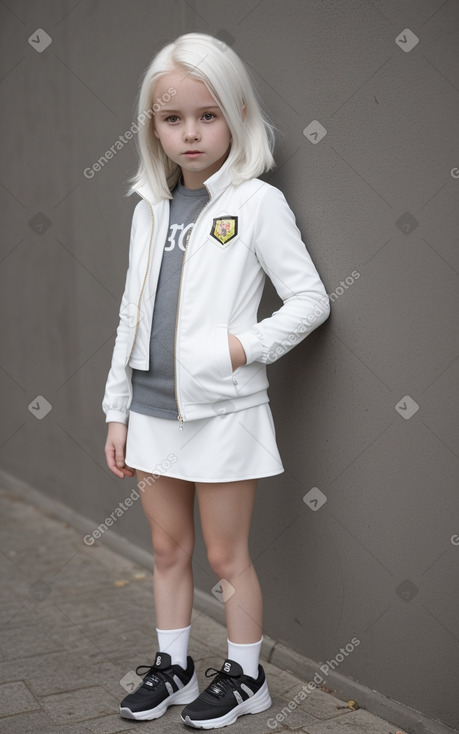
column 244, row 112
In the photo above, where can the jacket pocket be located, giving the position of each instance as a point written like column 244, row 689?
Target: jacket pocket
column 206, row 373
column 222, row 350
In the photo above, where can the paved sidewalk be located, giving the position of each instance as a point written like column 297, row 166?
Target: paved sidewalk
column 77, row 620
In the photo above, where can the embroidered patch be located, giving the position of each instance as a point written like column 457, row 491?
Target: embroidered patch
column 224, row 229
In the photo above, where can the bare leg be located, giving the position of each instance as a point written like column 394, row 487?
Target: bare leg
column 168, row 505
column 226, row 513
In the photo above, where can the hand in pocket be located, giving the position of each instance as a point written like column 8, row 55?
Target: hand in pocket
column 238, row 357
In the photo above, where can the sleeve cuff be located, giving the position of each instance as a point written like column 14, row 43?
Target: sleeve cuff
column 252, row 345
column 115, row 416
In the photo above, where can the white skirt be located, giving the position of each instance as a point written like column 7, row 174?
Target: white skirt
column 223, row 448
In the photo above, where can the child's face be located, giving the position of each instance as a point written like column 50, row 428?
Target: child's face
column 191, row 121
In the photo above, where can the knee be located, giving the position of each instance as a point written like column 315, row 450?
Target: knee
column 226, row 562
column 169, row 554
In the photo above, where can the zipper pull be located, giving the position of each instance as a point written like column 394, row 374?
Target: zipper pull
column 180, row 420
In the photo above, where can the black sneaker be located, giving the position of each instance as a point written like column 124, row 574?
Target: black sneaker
column 163, row 685
column 230, row 695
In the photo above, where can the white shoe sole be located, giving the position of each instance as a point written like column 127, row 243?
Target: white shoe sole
column 260, row 701
column 184, row 695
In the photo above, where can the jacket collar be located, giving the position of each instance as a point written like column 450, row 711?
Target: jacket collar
column 219, row 180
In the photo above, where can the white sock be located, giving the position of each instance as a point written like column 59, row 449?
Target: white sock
column 175, row 642
column 247, row 655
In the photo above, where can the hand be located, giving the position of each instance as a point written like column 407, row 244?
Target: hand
column 115, row 450
column 238, row 357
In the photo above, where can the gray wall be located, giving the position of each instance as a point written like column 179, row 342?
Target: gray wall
column 377, row 194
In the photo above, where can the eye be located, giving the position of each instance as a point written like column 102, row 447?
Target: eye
column 208, row 116
column 172, row 118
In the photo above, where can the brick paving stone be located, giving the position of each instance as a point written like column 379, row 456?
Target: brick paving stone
column 283, row 682
column 16, row 697
column 29, row 612
column 62, row 672
column 356, row 722
column 18, row 642
column 78, row 705
column 101, row 603
column 110, row 725
column 209, row 632
column 116, row 636
column 38, row 723
column 291, row 720
column 320, row 704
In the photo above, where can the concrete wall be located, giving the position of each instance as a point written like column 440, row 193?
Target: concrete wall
column 366, row 407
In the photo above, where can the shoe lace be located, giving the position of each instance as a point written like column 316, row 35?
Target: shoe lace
column 221, row 683
column 153, row 675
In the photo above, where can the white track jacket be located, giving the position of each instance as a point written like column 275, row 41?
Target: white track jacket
column 242, row 234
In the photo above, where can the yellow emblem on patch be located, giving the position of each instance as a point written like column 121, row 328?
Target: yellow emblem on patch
column 224, row 229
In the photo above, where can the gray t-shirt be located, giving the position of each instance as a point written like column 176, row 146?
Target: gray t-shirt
column 153, row 389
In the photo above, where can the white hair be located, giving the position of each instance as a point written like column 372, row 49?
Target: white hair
column 211, row 61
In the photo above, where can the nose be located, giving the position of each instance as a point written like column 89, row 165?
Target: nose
column 191, row 131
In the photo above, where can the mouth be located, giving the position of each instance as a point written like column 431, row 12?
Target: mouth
column 193, row 153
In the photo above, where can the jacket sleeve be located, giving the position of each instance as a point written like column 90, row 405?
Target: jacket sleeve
column 115, row 403
column 284, row 258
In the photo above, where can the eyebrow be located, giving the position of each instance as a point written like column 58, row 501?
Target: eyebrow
column 204, row 107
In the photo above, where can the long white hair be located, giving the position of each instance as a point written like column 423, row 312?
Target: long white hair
column 211, row 61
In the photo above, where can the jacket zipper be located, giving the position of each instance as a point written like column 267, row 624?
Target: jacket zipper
column 145, row 276
column 179, row 414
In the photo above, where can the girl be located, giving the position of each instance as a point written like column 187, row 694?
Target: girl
column 186, row 396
